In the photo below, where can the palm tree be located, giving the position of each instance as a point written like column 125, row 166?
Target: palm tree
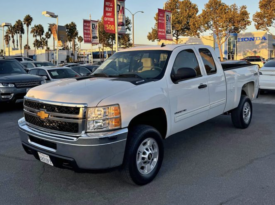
column 34, row 32
column 48, row 36
column 11, row 31
column 28, row 21
column 19, row 30
column 72, row 34
column 50, row 31
column 40, row 31
column 7, row 39
column 80, row 40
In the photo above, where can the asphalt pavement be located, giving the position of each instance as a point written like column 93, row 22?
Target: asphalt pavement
column 212, row 163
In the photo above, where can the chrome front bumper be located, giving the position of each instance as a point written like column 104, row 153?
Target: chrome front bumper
column 89, row 151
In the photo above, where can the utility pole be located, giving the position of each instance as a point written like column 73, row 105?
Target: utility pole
column 116, row 27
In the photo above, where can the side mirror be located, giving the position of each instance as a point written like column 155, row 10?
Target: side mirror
column 45, row 77
column 183, row 74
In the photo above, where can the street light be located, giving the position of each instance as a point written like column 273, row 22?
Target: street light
column 3, row 28
column 53, row 15
column 133, row 20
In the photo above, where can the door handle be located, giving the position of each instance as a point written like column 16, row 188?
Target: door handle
column 201, row 86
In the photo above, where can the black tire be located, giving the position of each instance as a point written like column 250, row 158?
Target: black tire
column 137, row 135
column 237, row 115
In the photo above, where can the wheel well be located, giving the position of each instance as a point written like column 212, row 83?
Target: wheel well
column 155, row 118
column 248, row 90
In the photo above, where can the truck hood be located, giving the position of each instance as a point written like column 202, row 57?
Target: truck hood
column 90, row 91
column 16, row 78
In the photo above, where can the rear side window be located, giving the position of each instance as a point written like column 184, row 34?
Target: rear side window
column 19, row 59
column 208, row 61
column 42, row 73
column 186, row 59
column 257, row 60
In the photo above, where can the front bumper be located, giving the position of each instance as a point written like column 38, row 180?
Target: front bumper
column 93, row 151
column 12, row 94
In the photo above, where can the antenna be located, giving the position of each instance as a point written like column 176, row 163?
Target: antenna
column 163, row 45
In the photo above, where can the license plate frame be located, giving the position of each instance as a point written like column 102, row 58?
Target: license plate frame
column 45, row 158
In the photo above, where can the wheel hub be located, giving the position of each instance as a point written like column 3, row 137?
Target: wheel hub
column 147, row 156
column 246, row 112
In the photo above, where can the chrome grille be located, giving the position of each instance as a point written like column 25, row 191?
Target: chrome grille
column 66, row 119
column 27, row 84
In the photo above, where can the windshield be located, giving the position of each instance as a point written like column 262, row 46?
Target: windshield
column 270, row 64
column 143, row 64
column 62, row 73
column 43, row 64
column 11, row 67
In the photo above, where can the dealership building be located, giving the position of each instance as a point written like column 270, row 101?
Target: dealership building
column 240, row 45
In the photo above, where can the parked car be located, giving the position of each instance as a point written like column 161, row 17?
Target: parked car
column 267, row 76
column 270, row 59
column 33, row 64
column 69, row 65
column 15, row 82
column 236, row 62
column 224, row 59
column 20, row 59
column 121, row 114
column 51, row 74
column 92, row 68
column 100, row 62
column 81, row 70
column 256, row 60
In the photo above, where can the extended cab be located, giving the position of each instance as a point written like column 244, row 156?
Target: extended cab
column 121, row 114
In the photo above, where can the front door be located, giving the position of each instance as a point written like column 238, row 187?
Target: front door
column 189, row 98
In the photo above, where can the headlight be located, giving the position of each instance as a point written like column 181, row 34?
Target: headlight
column 103, row 118
column 43, row 82
column 7, row 85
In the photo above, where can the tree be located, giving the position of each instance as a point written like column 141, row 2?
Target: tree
column 11, row 31
column 7, row 41
column 50, row 31
column 19, row 29
column 184, row 17
column 72, row 33
column 80, row 40
column 40, row 31
column 28, row 21
column 265, row 18
column 26, row 47
column 222, row 20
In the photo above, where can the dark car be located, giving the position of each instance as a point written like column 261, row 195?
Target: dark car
column 240, row 62
column 92, row 68
column 82, row 71
column 15, row 82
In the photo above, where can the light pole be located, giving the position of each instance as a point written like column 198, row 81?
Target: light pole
column 3, row 28
column 133, row 20
column 53, row 15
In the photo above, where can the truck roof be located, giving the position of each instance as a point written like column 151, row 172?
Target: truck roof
column 169, row 47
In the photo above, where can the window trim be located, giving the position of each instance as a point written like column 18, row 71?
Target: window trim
column 177, row 82
column 208, row 74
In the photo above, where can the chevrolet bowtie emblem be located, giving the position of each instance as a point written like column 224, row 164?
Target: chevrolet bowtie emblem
column 42, row 115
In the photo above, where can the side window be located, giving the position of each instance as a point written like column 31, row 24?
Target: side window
column 186, row 63
column 29, row 65
column 19, row 59
column 42, row 73
column 84, row 71
column 208, row 61
column 33, row 72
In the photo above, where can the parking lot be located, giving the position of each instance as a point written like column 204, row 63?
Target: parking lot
column 212, row 163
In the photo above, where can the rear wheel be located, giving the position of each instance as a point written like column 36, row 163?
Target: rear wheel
column 242, row 115
column 143, row 156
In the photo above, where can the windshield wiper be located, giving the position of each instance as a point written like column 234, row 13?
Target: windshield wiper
column 130, row 75
column 101, row 75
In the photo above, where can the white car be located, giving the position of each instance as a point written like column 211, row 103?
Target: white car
column 51, row 74
column 267, row 76
column 34, row 64
column 137, row 98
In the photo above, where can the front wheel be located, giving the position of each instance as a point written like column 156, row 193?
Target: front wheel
column 242, row 115
column 143, row 155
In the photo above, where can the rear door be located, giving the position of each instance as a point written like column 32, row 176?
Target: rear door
column 189, row 99
column 215, row 81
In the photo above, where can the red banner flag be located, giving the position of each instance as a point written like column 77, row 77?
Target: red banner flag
column 109, row 16
column 87, row 31
column 161, row 25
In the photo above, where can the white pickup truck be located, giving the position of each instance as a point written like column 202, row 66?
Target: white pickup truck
column 119, row 116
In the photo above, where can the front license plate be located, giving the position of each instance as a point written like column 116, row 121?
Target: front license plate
column 45, row 158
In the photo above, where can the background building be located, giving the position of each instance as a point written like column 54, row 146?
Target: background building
column 258, row 43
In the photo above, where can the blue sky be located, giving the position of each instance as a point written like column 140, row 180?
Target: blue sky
column 69, row 10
